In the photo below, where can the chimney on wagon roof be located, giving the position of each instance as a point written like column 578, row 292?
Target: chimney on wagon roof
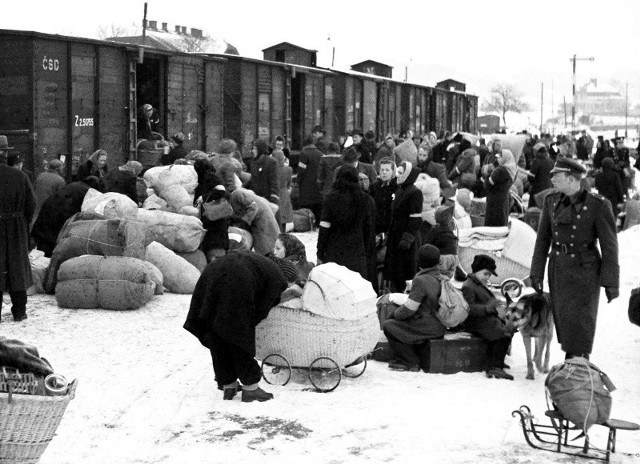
column 177, row 29
column 164, row 27
column 184, row 30
column 197, row 33
column 153, row 25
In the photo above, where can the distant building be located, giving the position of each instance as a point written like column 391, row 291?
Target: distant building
column 286, row 52
column 451, row 84
column 488, row 124
column 601, row 100
column 373, row 67
column 179, row 40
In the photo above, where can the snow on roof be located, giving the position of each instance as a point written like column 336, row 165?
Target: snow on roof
column 172, row 41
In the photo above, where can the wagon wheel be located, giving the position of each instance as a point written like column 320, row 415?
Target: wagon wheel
column 324, row 374
column 356, row 368
column 276, row 370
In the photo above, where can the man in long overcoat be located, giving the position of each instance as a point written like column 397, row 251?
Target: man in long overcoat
column 233, row 295
column 17, row 205
column 310, row 195
column 577, row 226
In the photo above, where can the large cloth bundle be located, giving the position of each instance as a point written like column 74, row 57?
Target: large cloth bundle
column 336, row 292
column 111, row 205
column 430, row 189
column 197, row 258
column 156, row 276
column 161, row 177
column 176, row 197
column 108, row 282
column 175, row 231
column 154, row 202
column 108, row 237
column 179, row 275
column 581, row 392
column 39, row 266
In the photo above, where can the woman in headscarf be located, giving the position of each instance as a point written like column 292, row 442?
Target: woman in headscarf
column 96, row 166
column 345, row 226
column 498, row 186
column 290, row 247
column 404, row 238
column 124, row 180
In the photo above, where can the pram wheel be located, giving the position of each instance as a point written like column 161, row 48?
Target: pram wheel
column 276, row 370
column 356, row 368
column 324, row 374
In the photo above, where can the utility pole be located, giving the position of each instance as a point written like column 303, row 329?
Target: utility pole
column 626, row 109
column 573, row 109
column 541, row 104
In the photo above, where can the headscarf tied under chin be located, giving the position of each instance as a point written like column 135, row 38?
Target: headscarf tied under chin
column 508, row 161
column 409, row 176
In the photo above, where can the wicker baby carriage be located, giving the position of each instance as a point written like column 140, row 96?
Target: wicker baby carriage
column 328, row 331
column 28, row 421
column 511, row 246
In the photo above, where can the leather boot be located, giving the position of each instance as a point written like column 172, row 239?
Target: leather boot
column 256, row 395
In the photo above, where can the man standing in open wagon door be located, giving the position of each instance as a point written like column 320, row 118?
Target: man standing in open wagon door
column 573, row 223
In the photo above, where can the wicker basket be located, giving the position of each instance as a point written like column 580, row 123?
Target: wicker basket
column 506, row 268
column 301, row 337
column 28, row 423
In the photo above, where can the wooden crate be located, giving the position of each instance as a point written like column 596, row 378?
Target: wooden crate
column 454, row 353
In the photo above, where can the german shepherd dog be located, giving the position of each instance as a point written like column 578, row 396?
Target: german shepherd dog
column 532, row 316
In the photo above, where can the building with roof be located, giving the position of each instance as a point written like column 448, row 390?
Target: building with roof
column 373, row 67
column 599, row 99
column 181, row 39
column 286, row 52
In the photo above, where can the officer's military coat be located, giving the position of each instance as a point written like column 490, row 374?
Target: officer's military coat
column 579, row 236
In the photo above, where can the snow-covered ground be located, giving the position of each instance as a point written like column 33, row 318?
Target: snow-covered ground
column 146, row 394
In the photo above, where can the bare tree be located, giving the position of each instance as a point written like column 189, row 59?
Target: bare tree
column 503, row 98
column 196, row 44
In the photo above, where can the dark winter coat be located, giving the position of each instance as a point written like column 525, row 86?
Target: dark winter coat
column 346, row 229
column 46, row 185
column 234, row 293
column 256, row 212
column 435, row 170
column 264, row 178
column 368, row 170
column 406, row 217
column 17, row 205
column 498, row 197
column 541, row 169
column 88, row 169
column 577, row 270
column 482, row 320
column 210, row 188
column 609, row 185
column 174, row 154
column 54, row 213
column 382, row 194
column 440, row 236
column 124, row 182
column 308, row 167
column 326, row 173
column 415, row 327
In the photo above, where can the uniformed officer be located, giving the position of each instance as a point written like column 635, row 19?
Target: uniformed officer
column 575, row 228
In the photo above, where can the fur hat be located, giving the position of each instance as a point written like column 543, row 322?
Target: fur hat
column 262, row 146
column 428, row 256
column 351, row 155
column 481, row 262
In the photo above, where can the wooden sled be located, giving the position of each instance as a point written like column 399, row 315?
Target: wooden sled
column 555, row 437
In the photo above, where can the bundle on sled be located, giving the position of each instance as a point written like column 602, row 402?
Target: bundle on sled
column 333, row 325
column 107, row 282
column 511, row 246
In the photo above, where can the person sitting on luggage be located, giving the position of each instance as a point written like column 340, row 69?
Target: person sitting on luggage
column 484, row 315
column 415, row 321
column 442, row 237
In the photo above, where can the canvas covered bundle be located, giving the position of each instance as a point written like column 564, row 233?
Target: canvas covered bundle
column 177, row 232
column 108, row 282
column 161, row 177
column 179, row 275
column 111, row 205
column 105, row 237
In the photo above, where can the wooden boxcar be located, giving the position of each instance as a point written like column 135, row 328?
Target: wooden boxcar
column 70, row 96
column 263, row 99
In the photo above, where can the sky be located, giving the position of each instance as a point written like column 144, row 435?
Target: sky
column 528, row 44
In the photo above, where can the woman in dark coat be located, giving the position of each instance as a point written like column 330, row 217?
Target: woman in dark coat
column 124, row 180
column 345, row 227
column 609, row 185
column 539, row 174
column 414, row 322
column 498, row 186
column 442, row 237
column 484, row 319
column 96, row 166
column 233, row 295
column 17, row 205
column 57, row 209
column 404, row 236
column 210, row 188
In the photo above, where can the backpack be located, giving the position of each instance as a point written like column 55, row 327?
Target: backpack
column 453, row 309
column 580, row 391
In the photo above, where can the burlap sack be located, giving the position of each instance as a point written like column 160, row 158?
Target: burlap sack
column 190, row 211
column 111, row 205
column 108, row 282
column 178, row 274
column 176, row 197
column 113, row 237
column 156, row 276
column 175, row 231
column 154, row 202
column 197, row 258
column 161, row 177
